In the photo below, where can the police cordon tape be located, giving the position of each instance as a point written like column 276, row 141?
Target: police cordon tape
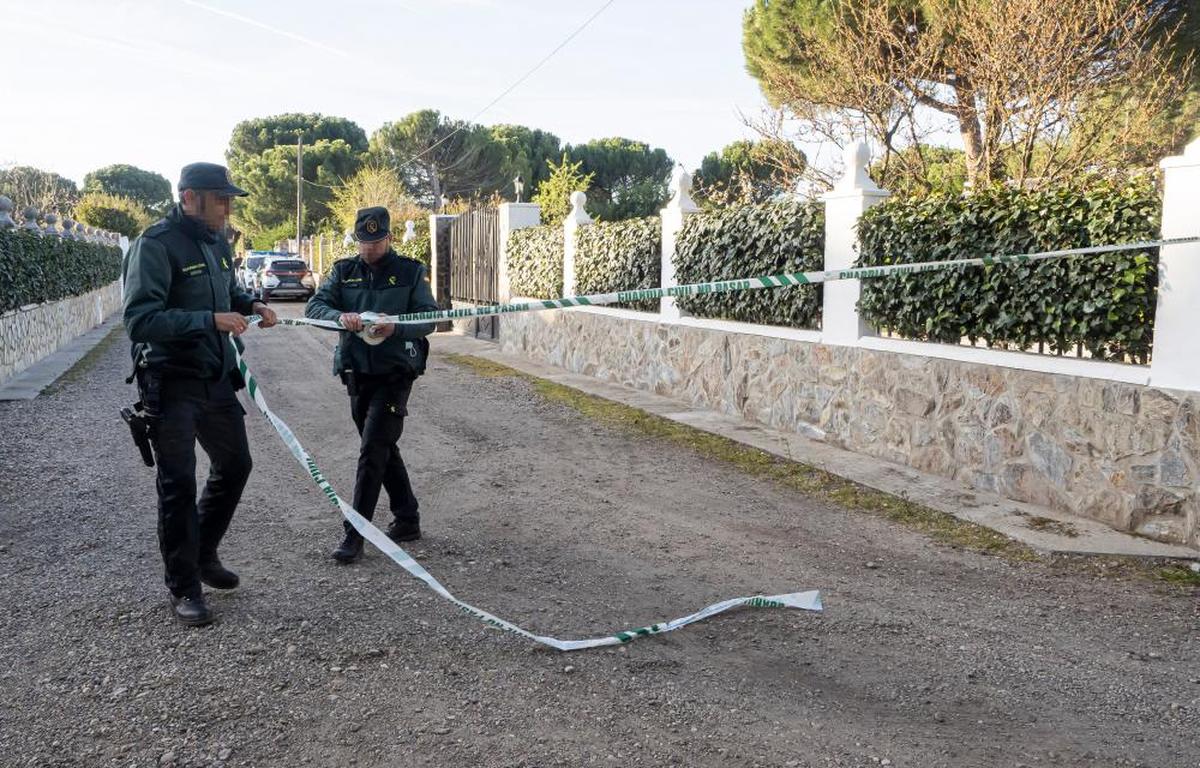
column 809, row 601
column 743, row 284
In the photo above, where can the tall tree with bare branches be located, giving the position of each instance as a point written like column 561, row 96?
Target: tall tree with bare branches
column 1034, row 89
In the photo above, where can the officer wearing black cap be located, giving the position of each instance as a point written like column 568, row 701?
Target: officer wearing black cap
column 182, row 304
column 378, row 364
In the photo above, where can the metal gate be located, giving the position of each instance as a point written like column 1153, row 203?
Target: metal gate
column 474, row 265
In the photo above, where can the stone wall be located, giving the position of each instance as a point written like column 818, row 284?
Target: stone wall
column 32, row 332
column 1124, row 454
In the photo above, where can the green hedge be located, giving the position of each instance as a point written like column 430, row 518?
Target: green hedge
column 620, row 256
column 38, row 269
column 535, row 262
column 1104, row 303
column 752, row 240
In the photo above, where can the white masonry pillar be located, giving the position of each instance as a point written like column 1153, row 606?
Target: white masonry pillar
column 853, row 194
column 1176, row 360
column 576, row 220
column 512, row 216
column 672, row 217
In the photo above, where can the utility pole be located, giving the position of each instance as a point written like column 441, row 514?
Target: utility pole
column 299, row 188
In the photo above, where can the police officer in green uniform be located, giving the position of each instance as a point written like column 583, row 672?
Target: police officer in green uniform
column 182, row 304
column 378, row 364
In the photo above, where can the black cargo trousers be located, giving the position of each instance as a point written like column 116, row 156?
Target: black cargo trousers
column 182, row 411
column 378, row 405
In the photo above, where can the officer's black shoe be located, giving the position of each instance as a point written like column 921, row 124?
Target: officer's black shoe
column 192, row 611
column 404, row 529
column 350, row 549
column 217, row 576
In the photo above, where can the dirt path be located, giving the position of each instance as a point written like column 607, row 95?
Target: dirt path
column 935, row 658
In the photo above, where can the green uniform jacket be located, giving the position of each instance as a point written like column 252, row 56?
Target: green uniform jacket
column 394, row 286
column 176, row 275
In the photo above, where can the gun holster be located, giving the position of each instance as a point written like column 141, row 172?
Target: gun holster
column 144, row 414
column 139, row 427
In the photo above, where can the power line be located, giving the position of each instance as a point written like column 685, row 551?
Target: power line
column 510, row 88
column 496, row 100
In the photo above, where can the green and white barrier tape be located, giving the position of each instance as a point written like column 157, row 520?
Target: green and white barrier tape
column 809, row 601
column 802, row 600
column 745, row 284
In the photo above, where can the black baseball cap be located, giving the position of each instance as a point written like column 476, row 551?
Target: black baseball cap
column 371, row 224
column 209, row 176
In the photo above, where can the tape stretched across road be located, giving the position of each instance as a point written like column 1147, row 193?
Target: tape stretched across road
column 810, row 601
column 746, row 284
column 802, row 600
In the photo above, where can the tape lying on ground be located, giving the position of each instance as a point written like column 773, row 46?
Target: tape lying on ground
column 745, row 284
column 809, row 601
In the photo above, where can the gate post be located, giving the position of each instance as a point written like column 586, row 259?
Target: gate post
column 511, row 217
column 439, row 262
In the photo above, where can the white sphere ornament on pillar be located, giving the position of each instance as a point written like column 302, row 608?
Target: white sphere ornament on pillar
column 578, row 214
column 681, row 191
column 80, row 231
column 6, row 209
column 855, row 177
column 29, row 219
column 68, row 229
column 51, row 227
column 410, row 231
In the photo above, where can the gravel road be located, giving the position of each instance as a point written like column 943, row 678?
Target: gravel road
column 929, row 657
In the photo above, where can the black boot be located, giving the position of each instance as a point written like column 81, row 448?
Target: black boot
column 216, row 575
column 192, row 611
column 350, row 549
column 404, row 529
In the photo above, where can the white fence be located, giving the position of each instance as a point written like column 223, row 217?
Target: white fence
column 1115, row 442
column 1176, row 360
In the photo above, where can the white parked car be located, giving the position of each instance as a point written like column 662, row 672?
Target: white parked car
column 249, row 269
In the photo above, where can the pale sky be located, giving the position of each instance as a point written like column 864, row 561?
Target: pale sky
column 160, row 83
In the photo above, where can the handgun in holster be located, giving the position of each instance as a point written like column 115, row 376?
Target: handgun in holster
column 143, row 414
column 139, row 427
